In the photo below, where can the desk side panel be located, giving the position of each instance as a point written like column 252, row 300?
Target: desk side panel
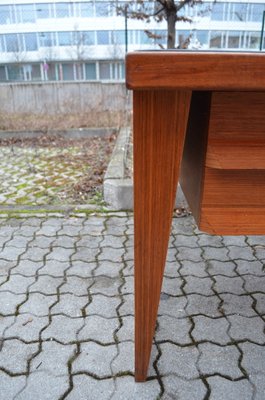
column 194, row 154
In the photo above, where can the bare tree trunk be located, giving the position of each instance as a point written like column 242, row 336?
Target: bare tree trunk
column 171, row 29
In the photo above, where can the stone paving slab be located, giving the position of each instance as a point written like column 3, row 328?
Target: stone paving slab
column 67, row 317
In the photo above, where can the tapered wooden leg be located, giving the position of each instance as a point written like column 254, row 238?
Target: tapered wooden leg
column 160, row 119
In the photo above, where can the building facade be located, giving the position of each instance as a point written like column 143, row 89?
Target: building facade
column 49, row 40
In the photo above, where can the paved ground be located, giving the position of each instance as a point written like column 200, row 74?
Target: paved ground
column 66, row 313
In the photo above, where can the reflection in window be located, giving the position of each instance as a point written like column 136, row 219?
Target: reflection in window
column 104, row 71
column 91, row 71
column 51, row 72
column 42, row 10
column 31, row 41
column 62, row 10
column 79, row 71
column 64, row 38
column 102, row 37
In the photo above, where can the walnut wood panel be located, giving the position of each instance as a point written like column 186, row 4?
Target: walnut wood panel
column 195, row 70
column 233, row 220
column 233, row 188
column 237, row 131
column 160, row 119
column 194, row 153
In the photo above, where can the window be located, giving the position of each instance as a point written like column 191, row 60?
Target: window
column 13, row 43
column 64, row 38
column 216, row 40
column 202, row 37
column 3, row 77
column 31, row 41
column 238, row 12
column 257, row 12
column 35, row 72
column 43, row 10
column 5, row 15
column 218, row 11
column 102, row 9
column 88, row 37
column 15, row 73
column 253, row 41
column 46, row 39
column 104, row 71
column 62, row 10
column 90, row 69
column 51, row 72
column 144, row 39
column 118, row 37
column 68, row 72
column 102, row 37
column 87, row 9
column 233, row 41
column 26, row 13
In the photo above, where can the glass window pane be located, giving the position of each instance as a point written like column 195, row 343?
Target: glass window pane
column 13, row 43
column 254, row 40
column 202, row 37
column 42, row 10
column 144, row 39
column 35, row 72
column 216, row 40
column 2, row 73
column 45, row 39
column 102, row 9
column 88, row 38
column 102, row 37
column 64, row 38
column 218, row 11
column 79, row 74
column 104, row 71
column 15, row 73
column 258, row 12
column 118, row 37
column 62, row 10
column 87, row 9
column 51, row 71
column 239, row 12
column 90, row 71
column 68, row 72
column 233, row 40
column 31, row 41
column 26, row 13
column 5, row 15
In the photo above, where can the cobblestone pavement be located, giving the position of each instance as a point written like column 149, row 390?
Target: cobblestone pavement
column 66, row 312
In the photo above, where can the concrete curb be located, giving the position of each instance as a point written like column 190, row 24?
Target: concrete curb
column 118, row 189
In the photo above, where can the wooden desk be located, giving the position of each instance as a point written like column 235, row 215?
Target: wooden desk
column 217, row 102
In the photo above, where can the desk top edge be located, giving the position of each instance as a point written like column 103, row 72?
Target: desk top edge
column 195, row 70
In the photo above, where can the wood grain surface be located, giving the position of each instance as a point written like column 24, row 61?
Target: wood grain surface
column 236, row 137
column 160, row 120
column 195, row 70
